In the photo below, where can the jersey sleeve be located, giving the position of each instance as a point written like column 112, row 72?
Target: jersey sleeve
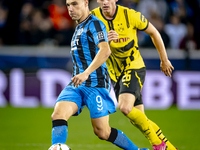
column 138, row 20
column 98, row 31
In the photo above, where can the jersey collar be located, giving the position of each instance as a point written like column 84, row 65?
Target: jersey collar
column 84, row 20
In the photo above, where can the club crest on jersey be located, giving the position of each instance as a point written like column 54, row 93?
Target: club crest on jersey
column 120, row 28
column 100, row 35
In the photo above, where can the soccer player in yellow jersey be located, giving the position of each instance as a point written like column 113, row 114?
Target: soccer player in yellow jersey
column 126, row 66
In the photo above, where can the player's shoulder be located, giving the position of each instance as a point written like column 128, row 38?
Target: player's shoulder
column 96, row 19
column 125, row 9
column 95, row 11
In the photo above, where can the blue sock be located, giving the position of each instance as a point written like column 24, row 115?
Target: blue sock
column 118, row 138
column 59, row 131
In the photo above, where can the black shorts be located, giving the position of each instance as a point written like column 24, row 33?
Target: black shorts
column 131, row 81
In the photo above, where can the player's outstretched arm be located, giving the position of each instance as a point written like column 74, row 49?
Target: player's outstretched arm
column 165, row 64
column 100, row 58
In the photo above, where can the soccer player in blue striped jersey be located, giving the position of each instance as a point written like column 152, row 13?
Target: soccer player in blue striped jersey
column 90, row 84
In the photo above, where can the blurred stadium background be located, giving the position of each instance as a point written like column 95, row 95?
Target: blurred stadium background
column 35, row 65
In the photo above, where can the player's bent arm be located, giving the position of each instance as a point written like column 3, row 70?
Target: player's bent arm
column 165, row 64
column 102, row 55
column 157, row 41
column 100, row 58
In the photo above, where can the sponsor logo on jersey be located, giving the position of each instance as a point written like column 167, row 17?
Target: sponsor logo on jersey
column 80, row 31
column 74, row 43
column 121, row 40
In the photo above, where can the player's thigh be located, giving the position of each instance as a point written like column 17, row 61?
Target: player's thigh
column 67, row 103
column 64, row 110
column 130, row 85
column 126, row 100
column 132, row 81
column 98, row 102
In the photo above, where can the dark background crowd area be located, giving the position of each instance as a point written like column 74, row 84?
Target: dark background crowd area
column 47, row 22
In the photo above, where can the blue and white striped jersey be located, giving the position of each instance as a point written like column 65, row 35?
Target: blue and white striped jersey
column 88, row 34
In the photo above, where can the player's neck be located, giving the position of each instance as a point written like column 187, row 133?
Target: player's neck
column 85, row 15
column 110, row 15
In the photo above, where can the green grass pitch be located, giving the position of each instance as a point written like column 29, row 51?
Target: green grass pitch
column 30, row 129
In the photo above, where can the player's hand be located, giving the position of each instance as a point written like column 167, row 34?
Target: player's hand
column 79, row 79
column 112, row 35
column 166, row 67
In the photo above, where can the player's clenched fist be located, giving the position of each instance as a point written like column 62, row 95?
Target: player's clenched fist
column 112, row 35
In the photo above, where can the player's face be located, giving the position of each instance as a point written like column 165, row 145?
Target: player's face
column 107, row 6
column 77, row 9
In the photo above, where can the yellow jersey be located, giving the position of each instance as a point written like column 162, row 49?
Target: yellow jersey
column 125, row 53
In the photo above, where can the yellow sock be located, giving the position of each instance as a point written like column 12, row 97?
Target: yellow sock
column 139, row 119
column 161, row 135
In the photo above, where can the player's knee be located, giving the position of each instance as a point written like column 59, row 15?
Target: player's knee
column 53, row 116
column 125, row 109
column 102, row 134
column 56, row 115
